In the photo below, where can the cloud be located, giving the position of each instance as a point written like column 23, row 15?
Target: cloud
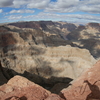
column 22, row 11
column 61, row 6
column 40, row 4
column 14, row 17
column 90, row 9
column 56, row 17
column 6, row 3
column 1, row 10
column 19, row 3
column 64, row 6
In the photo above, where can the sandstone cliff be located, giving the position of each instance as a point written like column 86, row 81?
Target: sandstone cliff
column 40, row 52
column 86, row 87
column 88, row 37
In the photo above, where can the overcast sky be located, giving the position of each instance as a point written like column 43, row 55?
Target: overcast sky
column 57, row 10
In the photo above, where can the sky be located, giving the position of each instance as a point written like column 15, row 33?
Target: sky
column 76, row 11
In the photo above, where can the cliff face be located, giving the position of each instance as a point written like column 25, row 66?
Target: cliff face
column 86, row 87
column 49, row 27
column 40, row 56
column 88, row 37
column 40, row 52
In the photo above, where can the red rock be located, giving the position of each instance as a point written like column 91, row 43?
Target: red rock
column 54, row 97
column 14, row 98
column 19, row 88
column 86, row 87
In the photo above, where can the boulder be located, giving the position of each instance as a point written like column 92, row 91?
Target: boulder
column 54, row 97
column 19, row 88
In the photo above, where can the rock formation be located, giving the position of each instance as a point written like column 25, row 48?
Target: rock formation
column 19, row 88
column 41, row 52
column 45, row 59
column 86, row 87
column 88, row 37
column 49, row 27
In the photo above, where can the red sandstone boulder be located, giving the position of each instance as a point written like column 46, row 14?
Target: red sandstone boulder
column 19, row 88
column 54, row 97
column 86, row 87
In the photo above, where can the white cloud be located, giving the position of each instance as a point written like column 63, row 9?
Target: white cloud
column 19, row 3
column 1, row 10
column 22, row 11
column 63, row 6
column 14, row 17
column 91, row 6
column 66, row 3
column 40, row 4
column 56, row 17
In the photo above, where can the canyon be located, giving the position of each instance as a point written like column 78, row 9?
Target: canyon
column 58, row 56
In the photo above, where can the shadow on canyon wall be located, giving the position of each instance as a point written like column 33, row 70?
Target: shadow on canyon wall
column 47, row 83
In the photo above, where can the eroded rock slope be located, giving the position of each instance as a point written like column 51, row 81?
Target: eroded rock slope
column 42, row 58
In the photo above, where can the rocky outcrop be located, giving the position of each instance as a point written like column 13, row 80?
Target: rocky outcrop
column 87, row 37
column 86, row 87
column 94, row 26
column 54, row 97
column 49, row 27
column 19, row 88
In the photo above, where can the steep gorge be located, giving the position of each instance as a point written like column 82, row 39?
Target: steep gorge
column 40, row 52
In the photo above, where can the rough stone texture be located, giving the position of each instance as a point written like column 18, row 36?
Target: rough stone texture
column 68, row 61
column 54, row 97
column 86, row 87
column 88, row 37
column 49, row 27
column 21, row 50
column 19, row 88
column 41, row 54
column 57, row 64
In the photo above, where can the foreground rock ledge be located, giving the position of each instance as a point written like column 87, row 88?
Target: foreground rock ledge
column 86, row 87
column 20, row 88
